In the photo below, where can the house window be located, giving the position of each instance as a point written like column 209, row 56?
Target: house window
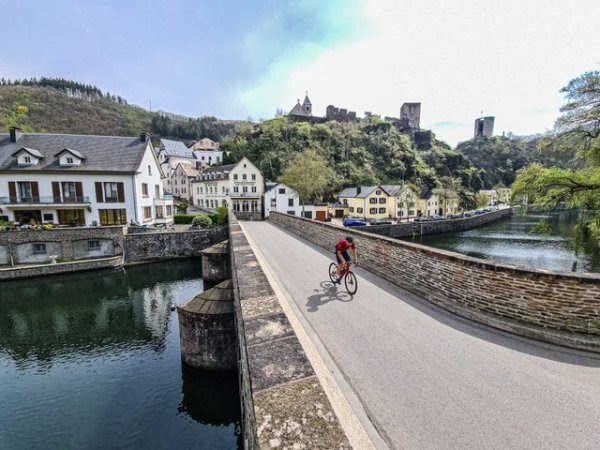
column 71, row 217
column 69, row 160
column 47, row 217
column 244, row 166
column 351, row 209
column 159, row 212
column 245, row 189
column 253, row 188
column 93, row 245
column 400, row 213
column 113, row 216
column 381, row 210
column 110, row 192
column 157, row 191
column 244, row 177
column 253, row 177
column 147, row 212
column 377, row 192
column 359, row 210
column 27, row 159
column 373, row 201
column 290, row 202
column 25, row 190
column 68, row 190
column 382, row 200
column 39, row 249
column 292, row 213
column 254, row 206
column 282, row 191
column 235, row 176
column 373, row 211
column 170, row 210
column 144, row 189
column 150, row 170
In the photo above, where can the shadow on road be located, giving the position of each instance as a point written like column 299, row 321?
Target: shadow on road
column 328, row 292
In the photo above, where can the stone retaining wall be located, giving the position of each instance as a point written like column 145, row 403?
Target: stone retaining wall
column 409, row 229
column 163, row 245
column 283, row 403
column 562, row 308
column 17, row 245
column 14, row 273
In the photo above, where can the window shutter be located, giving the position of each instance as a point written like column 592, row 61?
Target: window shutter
column 12, row 191
column 120, row 193
column 56, row 191
column 79, row 191
column 35, row 191
column 99, row 197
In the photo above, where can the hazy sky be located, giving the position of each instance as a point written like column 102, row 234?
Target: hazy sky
column 234, row 59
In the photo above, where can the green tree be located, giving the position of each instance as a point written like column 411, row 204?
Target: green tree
column 576, row 133
column 309, row 175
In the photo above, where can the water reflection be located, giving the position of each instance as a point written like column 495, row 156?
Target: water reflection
column 509, row 240
column 92, row 360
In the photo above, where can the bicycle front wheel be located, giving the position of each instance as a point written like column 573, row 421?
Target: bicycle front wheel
column 333, row 272
column 351, row 283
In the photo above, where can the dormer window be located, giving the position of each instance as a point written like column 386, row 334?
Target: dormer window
column 27, row 156
column 69, row 160
column 27, row 159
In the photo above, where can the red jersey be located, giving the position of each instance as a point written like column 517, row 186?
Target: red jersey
column 344, row 245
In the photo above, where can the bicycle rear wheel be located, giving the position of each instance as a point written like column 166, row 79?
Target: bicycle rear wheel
column 351, row 283
column 333, row 272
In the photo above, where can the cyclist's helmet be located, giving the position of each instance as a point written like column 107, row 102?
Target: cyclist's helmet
column 349, row 238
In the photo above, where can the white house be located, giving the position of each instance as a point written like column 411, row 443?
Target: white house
column 283, row 199
column 81, row 180
column 170, row 153
column 239, row 187
column 181, row 181
column 207, row 151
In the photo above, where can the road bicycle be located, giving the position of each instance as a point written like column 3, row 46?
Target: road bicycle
column 347, row 275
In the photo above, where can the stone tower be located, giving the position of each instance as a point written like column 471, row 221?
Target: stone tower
column 411, row 112
column 307, row 105
column 484, row 127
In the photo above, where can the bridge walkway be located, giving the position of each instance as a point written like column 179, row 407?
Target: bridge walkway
column 425, row 378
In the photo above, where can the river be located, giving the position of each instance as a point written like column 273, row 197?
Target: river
column 510, row 240
column 91, row 360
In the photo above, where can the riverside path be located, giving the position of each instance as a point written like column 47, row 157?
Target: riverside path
column 420, row 377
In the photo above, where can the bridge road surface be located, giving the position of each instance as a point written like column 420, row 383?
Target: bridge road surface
column 427, row 378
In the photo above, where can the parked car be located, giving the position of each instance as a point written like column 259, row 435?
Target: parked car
column 421, row 219
column 469, row 214
column 353, row 222
column 454, row 216
column 380, row 222
column 479, row 212
column 436, row 217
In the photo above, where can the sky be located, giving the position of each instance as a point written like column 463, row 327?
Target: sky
column 236, row 59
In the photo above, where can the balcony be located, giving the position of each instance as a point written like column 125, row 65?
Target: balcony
column 245, row 195
column 166, row 200
column 44, row 201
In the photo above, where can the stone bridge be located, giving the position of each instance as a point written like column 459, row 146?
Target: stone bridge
column 435, row 350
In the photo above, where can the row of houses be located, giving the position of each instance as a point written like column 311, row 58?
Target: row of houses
column 80, row 180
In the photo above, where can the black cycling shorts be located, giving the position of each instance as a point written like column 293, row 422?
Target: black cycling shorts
column 344, row 254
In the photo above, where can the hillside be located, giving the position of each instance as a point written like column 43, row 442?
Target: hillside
column 69, row 107
column 366, row 152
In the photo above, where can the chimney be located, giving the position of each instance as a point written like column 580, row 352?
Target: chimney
column 144, row 137
column 358, row 190
column 15, row 134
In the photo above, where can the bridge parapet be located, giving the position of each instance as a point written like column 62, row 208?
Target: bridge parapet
column 557, row 307
column 283, row 402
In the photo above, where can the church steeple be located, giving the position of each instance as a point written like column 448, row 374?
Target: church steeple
column 307, row 105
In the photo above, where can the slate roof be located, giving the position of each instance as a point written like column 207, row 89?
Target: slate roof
column 71, row 151
column 365, row 191
column 306, row 100
column 270, row 185
column 221, row 172
column 176, row 148
column 102, row 153
column 392, row 189
column 31, row 151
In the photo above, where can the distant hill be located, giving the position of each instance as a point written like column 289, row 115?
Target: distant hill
column 63, row 106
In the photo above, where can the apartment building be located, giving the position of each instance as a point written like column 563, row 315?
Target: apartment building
column 81, row 180
column 240, row 187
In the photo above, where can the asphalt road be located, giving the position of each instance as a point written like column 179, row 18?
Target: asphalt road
column 429, row 379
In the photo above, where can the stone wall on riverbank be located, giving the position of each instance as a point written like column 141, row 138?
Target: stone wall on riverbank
column 409, row 229
column 38, row 270
column 562, row 308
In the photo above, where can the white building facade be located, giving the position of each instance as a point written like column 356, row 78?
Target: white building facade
column 76, row 180
column 239, row 187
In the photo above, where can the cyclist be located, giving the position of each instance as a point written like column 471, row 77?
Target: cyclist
column 341, row 252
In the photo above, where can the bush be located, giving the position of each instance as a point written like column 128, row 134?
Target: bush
column 183, row 219
column 221, row 213
column 202, row 221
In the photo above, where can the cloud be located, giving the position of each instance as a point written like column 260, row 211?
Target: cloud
column 457, row 58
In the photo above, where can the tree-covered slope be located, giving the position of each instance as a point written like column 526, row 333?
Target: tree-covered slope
column 63, row 106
